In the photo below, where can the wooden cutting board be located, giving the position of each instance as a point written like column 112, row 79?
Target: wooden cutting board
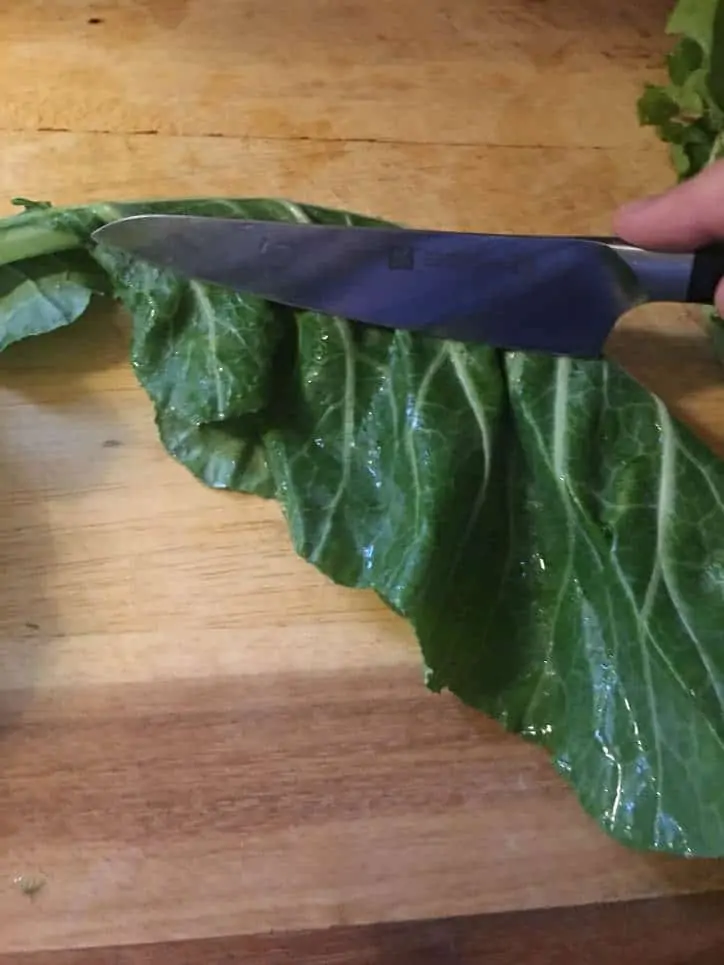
column 201, row 736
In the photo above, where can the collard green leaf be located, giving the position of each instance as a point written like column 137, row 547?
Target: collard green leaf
column 206, row 355
column 224, row 455
column 188, row 339
column 553, row 536
column 379, row 430
column 536, row 522
column 555, row 570
column 632, row 542
column 40, row 294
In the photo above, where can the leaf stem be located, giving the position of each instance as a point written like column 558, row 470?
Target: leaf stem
column 26, row 236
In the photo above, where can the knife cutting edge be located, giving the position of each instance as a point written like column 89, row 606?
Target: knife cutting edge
column 555, row 294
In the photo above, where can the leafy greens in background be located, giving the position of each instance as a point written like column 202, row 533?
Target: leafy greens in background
column 688, row 111
column 553, row 535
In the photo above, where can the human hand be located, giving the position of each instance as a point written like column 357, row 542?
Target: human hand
column 683, row 218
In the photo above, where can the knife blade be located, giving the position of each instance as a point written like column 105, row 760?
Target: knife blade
column 554, row 294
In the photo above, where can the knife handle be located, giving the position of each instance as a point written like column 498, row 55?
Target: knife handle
column 706, row 273
column 666, row 276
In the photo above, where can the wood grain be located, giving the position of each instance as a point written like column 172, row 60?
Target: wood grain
column 199, row 735
column 559, row 73
column 667, row 931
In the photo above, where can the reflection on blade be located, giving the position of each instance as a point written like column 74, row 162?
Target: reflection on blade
column 558, row 295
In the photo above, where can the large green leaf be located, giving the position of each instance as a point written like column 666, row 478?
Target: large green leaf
column 538, row 522
column 630, row 532
column 555, row 538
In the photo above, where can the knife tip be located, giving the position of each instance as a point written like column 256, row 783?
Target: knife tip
column 135, row 229
column 121, row 231
column 107, row 232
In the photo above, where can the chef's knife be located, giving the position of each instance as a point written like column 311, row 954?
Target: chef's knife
column 560, row 295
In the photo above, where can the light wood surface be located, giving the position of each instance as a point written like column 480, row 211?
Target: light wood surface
column 201, row 736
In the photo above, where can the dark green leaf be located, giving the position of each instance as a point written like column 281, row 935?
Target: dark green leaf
column 656, row 106
column 189, row 340
column 555, row 538
column 715, row 77
column 224, row 455
column 538, row 521
column 554, row 566
column 41, row 294
column 686, row 57
column 632, row 538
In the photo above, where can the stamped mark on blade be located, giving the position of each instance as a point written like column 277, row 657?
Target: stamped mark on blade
column 401, row 258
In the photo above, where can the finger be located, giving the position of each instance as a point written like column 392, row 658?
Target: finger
column 681, row 219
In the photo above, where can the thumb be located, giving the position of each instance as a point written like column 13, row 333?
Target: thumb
column 684, row 218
